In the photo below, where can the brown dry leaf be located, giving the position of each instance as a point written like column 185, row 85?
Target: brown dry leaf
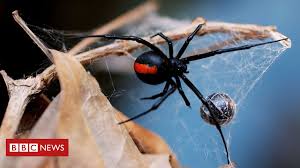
column 147, row 141
column 45, row 128
column 83, row 112
column 158, row 161
column 83, row 150
column 20, row 92
column 81, row 93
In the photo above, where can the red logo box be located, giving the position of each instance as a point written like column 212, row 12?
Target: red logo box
column 37, row 147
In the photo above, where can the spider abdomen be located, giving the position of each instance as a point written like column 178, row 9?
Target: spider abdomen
column 151, row 68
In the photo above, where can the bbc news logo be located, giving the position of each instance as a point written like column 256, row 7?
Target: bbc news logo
column 37, row 147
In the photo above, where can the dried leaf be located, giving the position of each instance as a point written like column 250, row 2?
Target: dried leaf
column 84, row 115
column 71, row 123
column 82, row 94
column 161, row 160
column 147, row 141
column 19, row 96
column 20, row 92
column 45, row 128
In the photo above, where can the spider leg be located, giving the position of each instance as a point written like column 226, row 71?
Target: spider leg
column 166, row 88
column 131, row 38
column 154, row 106
column 188, row 40
column 181, row 92
column 210, row 106
column 220, row 51
column 168, row 40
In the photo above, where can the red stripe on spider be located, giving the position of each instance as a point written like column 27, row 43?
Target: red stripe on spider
column 145, row 68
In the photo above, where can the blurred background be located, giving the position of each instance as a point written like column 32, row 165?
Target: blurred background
column 268, row 132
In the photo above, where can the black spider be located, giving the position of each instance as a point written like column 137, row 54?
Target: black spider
column 155, row 67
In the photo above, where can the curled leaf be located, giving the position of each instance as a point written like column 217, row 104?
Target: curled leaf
column 81, row 101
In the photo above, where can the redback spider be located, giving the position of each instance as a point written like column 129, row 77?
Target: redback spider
column 155, row 67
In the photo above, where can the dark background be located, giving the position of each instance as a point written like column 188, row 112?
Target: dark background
column 278, row 92
column 20, row 57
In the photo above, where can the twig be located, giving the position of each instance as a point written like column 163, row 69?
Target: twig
column 227, row 42
column 246, row 31
column 127, row 18
column 20, row 92
column 35, row 39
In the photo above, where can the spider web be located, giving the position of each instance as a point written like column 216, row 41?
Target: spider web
column 193, row 141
